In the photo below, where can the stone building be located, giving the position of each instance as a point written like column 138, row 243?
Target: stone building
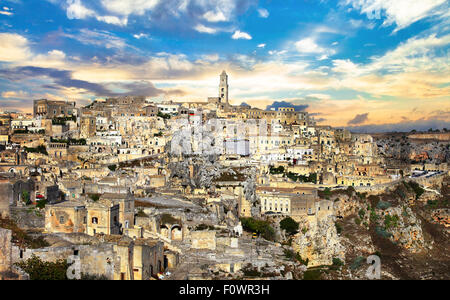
column 47, row 109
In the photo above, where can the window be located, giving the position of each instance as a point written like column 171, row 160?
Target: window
column 94, row 220
column 61, row 220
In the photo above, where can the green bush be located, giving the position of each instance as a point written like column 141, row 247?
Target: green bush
column 290, row 225
column 39, row 149
column 391, row 221
column 357, row 263
column 259, row 226
column 418, row 190
column 383, row 205
column 94, row 197
column 42, row 270
column 361, row 213
column 278, row 170
column 382, row 232
column 337, row 262
column 26, row 197
column 41, row 203
column 338, row 227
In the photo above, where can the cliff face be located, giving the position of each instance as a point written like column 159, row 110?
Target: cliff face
column 431, row 136
column 407, row 229
column 319, row 243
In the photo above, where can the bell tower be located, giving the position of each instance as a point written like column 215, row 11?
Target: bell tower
column 223, row 88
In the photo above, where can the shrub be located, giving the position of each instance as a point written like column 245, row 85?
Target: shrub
column 112, row 167
column 278, row 170
column 416, row 188
column 42, row 270
column 290, row 225
column 39, row 149
column 391, row 221
column 337, row 262
column 357, row 263
column 361, row 213
column 338, row 227
column 94, row 197
column 383, row 205
column 382, row 232
column 26, row 197
column 259, row 226
column 325, row 193
column 41, row 203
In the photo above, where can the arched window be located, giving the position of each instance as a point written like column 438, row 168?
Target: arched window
column 94, row 220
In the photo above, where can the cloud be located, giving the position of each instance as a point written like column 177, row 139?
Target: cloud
column 140, row 36
column 128, row 7
column 204, row 29
column 241, row 35
column 263, row 13
column 98, row 38
column 62, row 79
column 113, row 20
column 6, row 12
column 76, row 10
column 359, row 119
column 402, row 13
column 308, row 45
column 261, row 46
column 13, row 47
column 212, row 16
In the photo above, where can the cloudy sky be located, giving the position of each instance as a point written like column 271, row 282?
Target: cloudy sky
column 359, row 63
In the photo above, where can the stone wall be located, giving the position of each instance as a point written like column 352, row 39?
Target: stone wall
column 5, row 250
column 6, row 196
column 203, row 239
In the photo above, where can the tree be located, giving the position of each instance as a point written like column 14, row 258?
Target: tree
column 290, row 225
column 43, row 270
column 26, row 197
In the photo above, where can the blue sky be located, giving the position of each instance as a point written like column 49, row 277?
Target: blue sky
column 351, row 62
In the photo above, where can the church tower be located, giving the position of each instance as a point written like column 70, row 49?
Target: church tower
column 223, row 88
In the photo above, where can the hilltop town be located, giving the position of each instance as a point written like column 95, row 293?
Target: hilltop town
column 137, row 189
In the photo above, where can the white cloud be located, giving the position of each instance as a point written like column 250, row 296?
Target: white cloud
column 217, row 16
column 211, row 57
column 128, row 7
column 263, row 13
column 400, row 12
column 98, row 38
column 13, row 47
column 204, row 29
column 6, row 12
column 76, row 10
column 140, row 36
column 261, row 46
column 241, row 35
column 113, row 20
column 308, row 45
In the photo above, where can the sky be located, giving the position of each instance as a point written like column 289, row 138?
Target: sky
column 373, row 65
